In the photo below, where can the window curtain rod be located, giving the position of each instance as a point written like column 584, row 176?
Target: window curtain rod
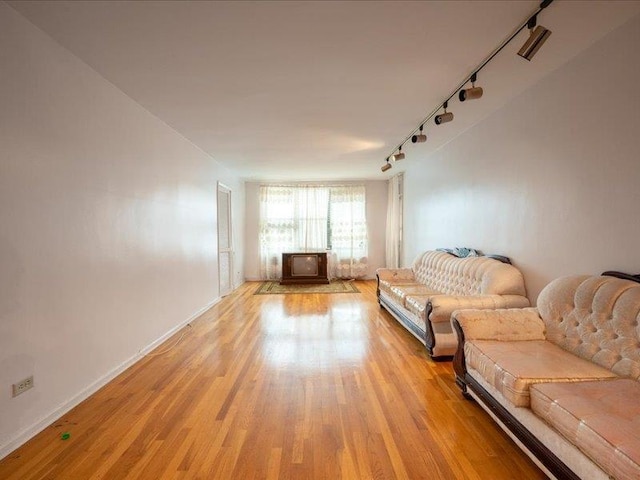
column 312, row 185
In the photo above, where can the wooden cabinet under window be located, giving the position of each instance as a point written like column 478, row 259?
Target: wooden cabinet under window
column 304, row 268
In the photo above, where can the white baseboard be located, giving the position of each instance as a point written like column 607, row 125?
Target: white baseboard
column 31, row 431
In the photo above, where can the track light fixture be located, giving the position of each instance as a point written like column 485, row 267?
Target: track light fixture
column 471, row 93
column 443, row 117
column 537, row 36
column 420, row 138
column 399, row 155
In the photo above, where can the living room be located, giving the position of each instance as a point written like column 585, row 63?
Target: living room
column 109, row 241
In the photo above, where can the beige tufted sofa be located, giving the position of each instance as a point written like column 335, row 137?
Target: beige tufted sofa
column 423, row 297
column 561, row 378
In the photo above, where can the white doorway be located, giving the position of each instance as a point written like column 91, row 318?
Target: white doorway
column 225, row 241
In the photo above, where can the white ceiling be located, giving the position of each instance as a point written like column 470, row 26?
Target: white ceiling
column 315, row 90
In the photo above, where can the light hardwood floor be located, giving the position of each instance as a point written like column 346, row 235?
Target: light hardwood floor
column 279, row 386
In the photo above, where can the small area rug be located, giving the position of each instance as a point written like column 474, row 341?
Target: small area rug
column 336, row 286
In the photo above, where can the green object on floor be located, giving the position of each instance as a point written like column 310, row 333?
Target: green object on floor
column 65, row 436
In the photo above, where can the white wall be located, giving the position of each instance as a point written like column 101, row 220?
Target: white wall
column 376, row 192
column 550, row 180
column 108, row 237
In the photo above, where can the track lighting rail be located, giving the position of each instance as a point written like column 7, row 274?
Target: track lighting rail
column 531, row 20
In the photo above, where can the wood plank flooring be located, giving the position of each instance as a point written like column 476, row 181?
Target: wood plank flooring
column 319, row 386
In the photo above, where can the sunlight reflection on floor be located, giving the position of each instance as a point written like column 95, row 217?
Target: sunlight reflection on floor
column 337, row 337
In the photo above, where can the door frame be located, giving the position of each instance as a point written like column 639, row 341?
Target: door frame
column 222, row 188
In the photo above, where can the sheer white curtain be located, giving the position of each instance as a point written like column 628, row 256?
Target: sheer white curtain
column 311, row 218
column 292, row 219
column 394, row 222
column 348, row 231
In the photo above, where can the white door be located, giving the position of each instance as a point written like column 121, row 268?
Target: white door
column 225, row 241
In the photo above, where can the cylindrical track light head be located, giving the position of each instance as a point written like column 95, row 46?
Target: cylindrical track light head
column 537, row 37
column 470, row 94
column 397, row 156
column 443, row 118
column 420, row 137
column 386, row 166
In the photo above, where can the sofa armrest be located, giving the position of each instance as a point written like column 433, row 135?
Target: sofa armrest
column 442, row 306
column 507, row 325
column 391, row 274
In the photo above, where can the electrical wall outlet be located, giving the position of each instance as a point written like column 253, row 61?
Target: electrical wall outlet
column 22, row 386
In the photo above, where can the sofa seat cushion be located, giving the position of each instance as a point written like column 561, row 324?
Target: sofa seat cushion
column 512, row 367
column 601, row 418
column 399, row 293
column 385, row 285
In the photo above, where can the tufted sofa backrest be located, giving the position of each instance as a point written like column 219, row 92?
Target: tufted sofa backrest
column 451, row 275
column 595, row 318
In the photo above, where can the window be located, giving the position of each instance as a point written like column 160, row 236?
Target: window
column 311, row 218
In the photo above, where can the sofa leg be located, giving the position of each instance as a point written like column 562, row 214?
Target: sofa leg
column 462, row 385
